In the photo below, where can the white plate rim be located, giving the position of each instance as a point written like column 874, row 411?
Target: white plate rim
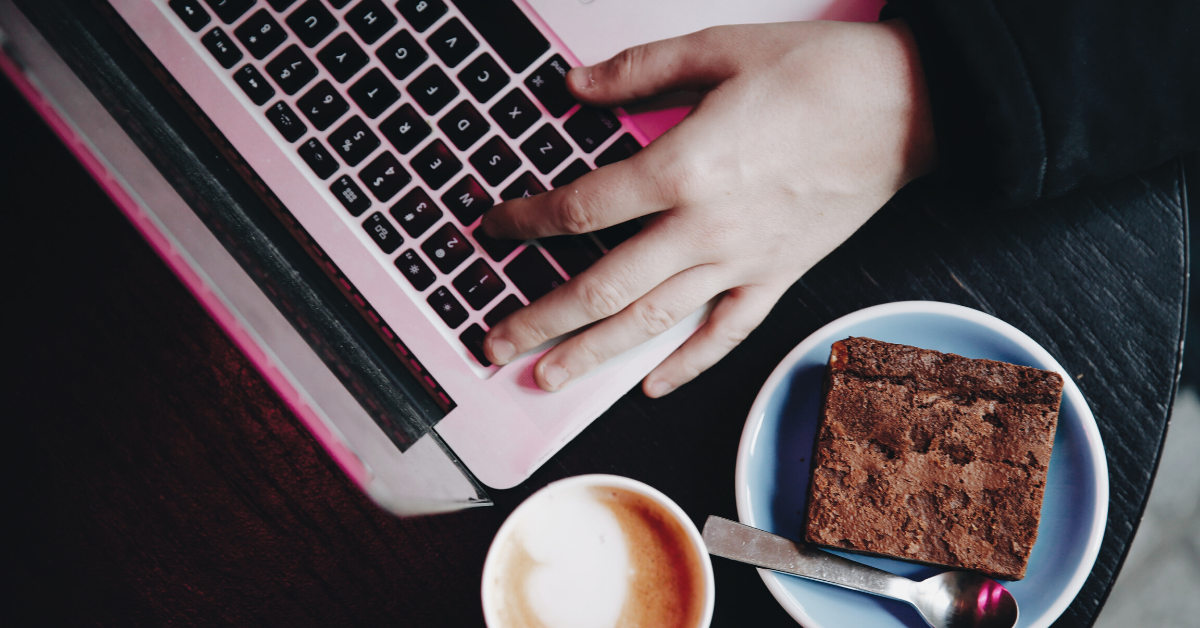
column 1071, row 394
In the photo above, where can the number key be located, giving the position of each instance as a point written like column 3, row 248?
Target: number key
column 416, row 212
column 354, row 141
column 322, row 105
column 260, row 34
column 447, row 247
column 384, row 176
column 291, row 70
column 478, row 284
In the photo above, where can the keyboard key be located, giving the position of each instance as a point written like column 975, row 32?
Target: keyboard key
column 374, row 93
column 354, row 141
column 416, row 212
column 467, row 200
column 515, row 113
column 574, row 253
column 478, row 284
column 495, row 161
column 573, row 171
column 337, row 4
column 589, row 127
column 453, row 42
column 432, row 89
column 260, row 34
column 436, row 164
column 311, row 22
column 401, row 55
column 415, row 270
column 350, row 195
column 463, row 125
column 286, row 122
column 322, row 105
column 532, row 274
column 496, row 249
column 625, row 147
column 280, row 5
column 405, row 128
column 371, row 19
column 524, row 186
column 421, row 14
column 253, row 83
column 384, row 176
column 483, row 77
column 612, row 236
column 222, row 47
column 230, row 10
column 506, row 306
column 342, row 57
column 447, row 248
column 291, row 70
column 447, row 307
column 546, row 149
column 472, row 338
column 317, row 158
column 548, row 84
column 518, row 42
column 382, row 232
column 192, row 14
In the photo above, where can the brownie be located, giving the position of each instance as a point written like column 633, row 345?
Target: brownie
column 932, row 457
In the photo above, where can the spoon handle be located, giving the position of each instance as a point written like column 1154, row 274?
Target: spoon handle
column 729, row 539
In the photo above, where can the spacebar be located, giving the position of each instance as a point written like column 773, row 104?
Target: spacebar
column 518, row 42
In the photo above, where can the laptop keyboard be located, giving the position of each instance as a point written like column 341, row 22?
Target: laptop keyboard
column 419, row 115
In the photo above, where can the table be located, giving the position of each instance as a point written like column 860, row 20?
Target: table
column 155, row 478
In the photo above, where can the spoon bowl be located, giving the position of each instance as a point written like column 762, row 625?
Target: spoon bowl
column 961, row 599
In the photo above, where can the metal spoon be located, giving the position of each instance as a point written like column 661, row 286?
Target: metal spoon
column 955, row 599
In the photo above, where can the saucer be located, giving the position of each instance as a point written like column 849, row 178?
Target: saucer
column 774, row 461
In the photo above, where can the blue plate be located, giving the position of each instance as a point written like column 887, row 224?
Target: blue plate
column 774, row 458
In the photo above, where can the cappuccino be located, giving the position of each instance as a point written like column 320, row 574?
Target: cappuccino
column 597, row 552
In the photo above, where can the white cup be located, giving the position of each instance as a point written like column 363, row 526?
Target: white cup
column 568, row 556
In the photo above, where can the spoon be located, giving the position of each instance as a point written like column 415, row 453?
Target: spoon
column 955, row 599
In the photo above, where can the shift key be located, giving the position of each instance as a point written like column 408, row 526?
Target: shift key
column 532, row 274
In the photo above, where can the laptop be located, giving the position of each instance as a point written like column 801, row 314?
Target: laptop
column 379, row 132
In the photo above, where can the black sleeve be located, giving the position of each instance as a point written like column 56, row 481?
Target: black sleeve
column 1033, row 98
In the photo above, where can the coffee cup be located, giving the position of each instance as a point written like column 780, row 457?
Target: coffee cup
column 598, row 551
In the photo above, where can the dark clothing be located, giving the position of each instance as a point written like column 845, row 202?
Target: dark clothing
column 1033, row 98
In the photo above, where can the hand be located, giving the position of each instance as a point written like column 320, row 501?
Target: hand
column 803, row 132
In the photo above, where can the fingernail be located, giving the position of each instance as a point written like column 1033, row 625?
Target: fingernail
column 502, row 350
column 658, row 388
column 582, row 78
column 555, row 375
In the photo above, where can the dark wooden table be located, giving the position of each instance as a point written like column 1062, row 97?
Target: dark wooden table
column 156, row 479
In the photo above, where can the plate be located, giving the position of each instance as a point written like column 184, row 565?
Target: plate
column 774, row 458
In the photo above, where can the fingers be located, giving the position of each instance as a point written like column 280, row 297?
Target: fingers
column 736, row 315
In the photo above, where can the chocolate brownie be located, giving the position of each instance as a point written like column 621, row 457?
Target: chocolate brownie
column 932, row 457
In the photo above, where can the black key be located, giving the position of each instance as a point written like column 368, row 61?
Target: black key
column 451, row 311
column 337, row 4
column 416, row 212
column 260, row 34
column 506, row 306
column 483, row 77
column 573, row 171
column 405, row 128
column 350, row 195
column 453, row 42
column 192, row 14
column 374, row 93
column 515, row 113
column 415, row 270
column 548, row 84
column 432, row 89
column 382, row 232
column 230, row 10
column 496, row 249
column 589, row 127
column 354, row 141
column 253, row 83
column 401, row 55
column 478, row 284
column 463, row 125
column 436, row 164
column 612, row 236
column 280, row 5
column 518, row 42
column 546, row 149
column 625, row 147
column 322, row 105
column 574, row 253
column 311, row 22
column 467, row 200
column 421, row 14
column 319, row 159
column 384, row 176
column 371, row 20
column 291, row 70
column 532, row 274
column 495, row 161
column 524, row 186
column 222, row 47
column 289, row 126
column 342, row 57
column 447, row 248
column 472, row 338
